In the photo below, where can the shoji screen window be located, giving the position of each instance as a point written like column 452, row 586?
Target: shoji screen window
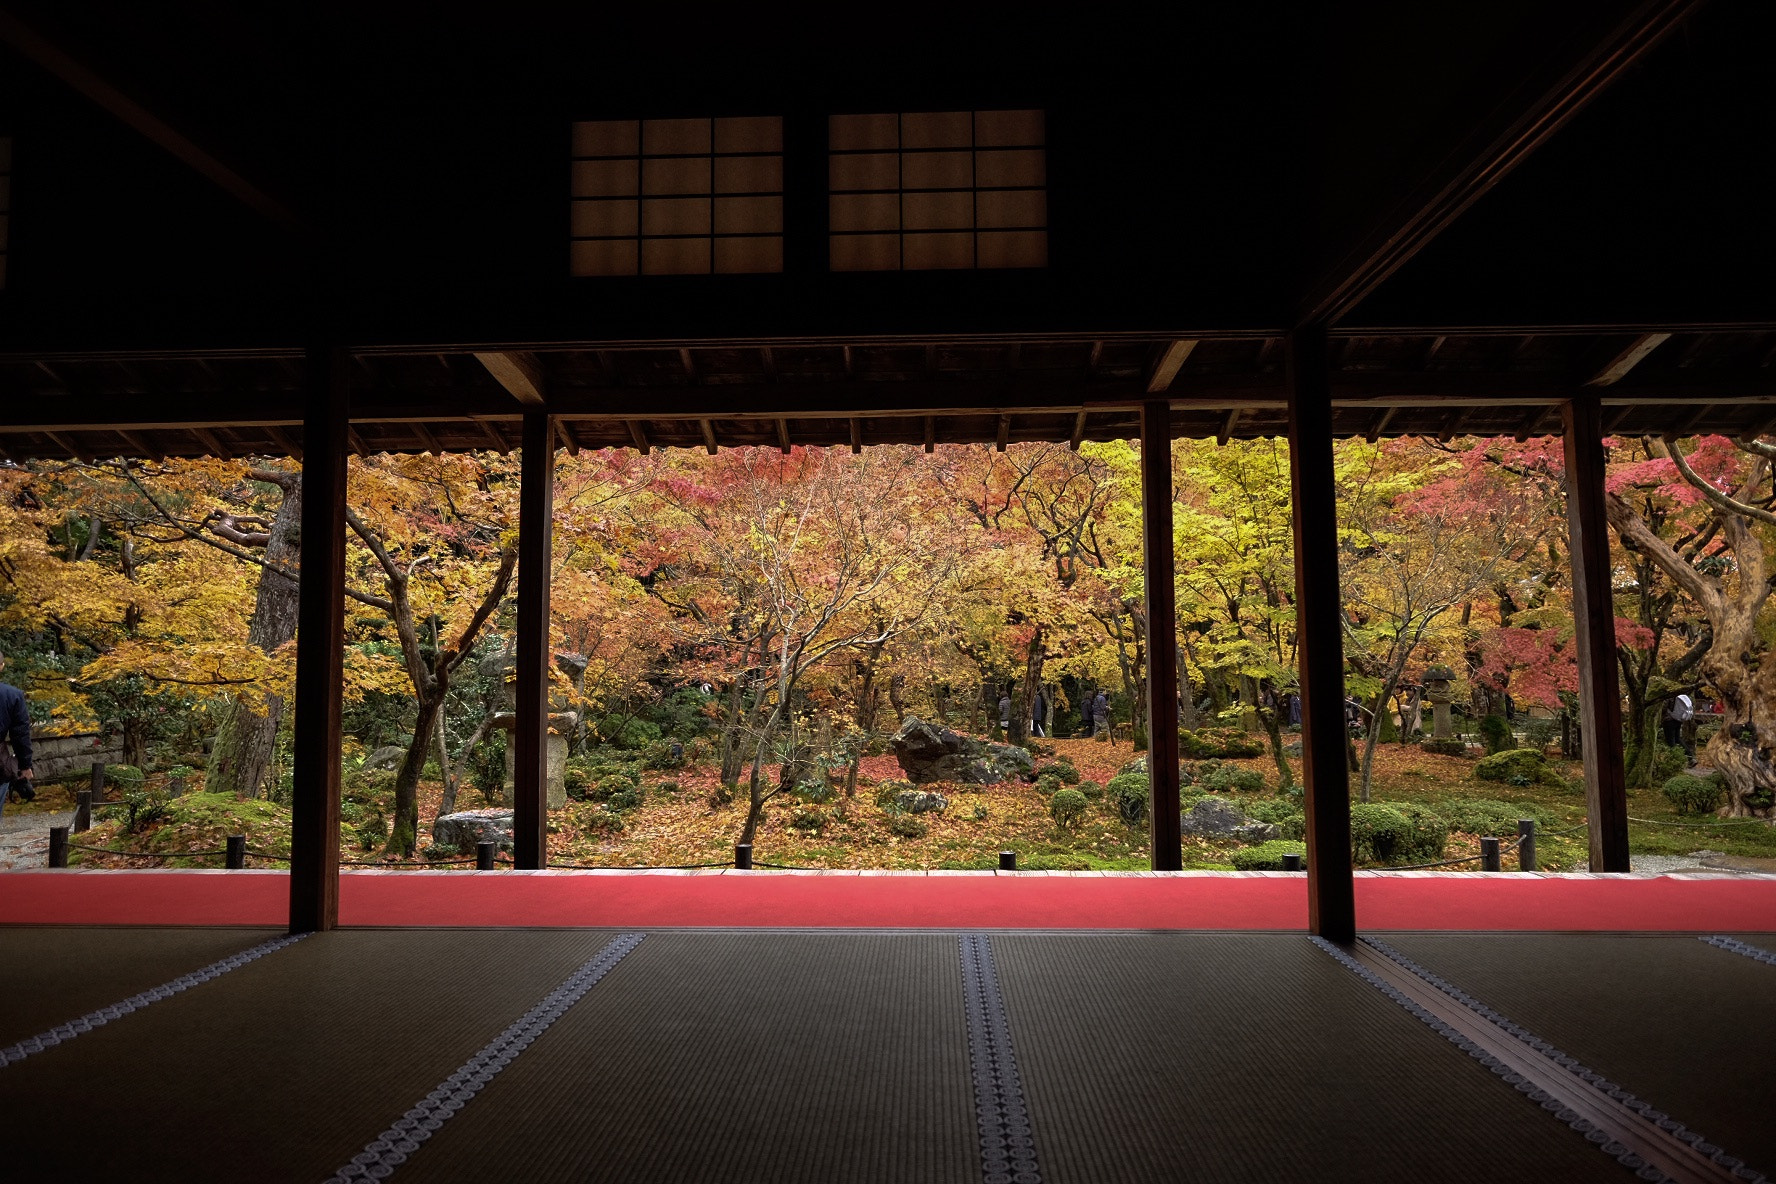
column 5, row 201
column 944, row 189
column 677, row 196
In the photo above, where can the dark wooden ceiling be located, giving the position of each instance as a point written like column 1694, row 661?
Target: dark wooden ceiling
column 903, row 391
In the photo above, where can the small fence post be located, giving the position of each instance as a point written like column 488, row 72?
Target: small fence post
column 743, row 856
column 236, row 857
column 1008, row 861
column 98, row 783
column 1292, row 862
column 1526, row 844
column 58, row 846
column 83, row 811
column 484, row 856
column 1489, row 855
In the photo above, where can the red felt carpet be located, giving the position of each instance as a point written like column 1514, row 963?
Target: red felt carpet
column 983, row 900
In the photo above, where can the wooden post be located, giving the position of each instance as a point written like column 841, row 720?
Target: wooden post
column 320, row 647
column 1594, row 613
column 530, row 739
column 1319, row 631
column 1158, row 575
column 98, row 782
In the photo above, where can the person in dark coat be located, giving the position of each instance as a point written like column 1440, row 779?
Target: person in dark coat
column 15, row 728
column 1101, row 716
column 1038, row 713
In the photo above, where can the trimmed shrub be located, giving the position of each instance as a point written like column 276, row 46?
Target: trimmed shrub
column 1060, row 768
column 1284, row 813
column 908, row 827
column 1129, row 792
column 808, row 820
column 664, row 755
column 1266, row 857
column 1690, row 794
column 1048, row 785
column 123, row 776
column 1495, row 730
column 1391, row 834
column 1486, row 816
column 1221, row 742
column 1514, row 766
column 1233, row 779
column 1091, row 789
column 888, row 794
column 1670, row 761
column 667, row 787
column 623, row 799
column 1067, row 808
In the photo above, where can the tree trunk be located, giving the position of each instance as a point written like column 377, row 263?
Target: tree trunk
column 732, row 750
column 1023, row 709
column 404, row 835
column 245, row 738
column 1744, row 747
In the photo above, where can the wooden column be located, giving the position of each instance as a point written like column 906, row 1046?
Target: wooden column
column 1319, row 632
column 320, row 646
column 530, row 739
column 1158, row 576
column 1594, row 614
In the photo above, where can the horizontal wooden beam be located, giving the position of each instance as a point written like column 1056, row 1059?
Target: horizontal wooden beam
column 1166, row 368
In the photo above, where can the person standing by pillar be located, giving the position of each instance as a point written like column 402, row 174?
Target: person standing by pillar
column 15, row 728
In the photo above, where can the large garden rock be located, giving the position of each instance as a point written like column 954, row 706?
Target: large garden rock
column 920, row 801
column 385, row 759
column 1515, row 766
column 1217, row 818
column 466, row 828
column 928, row 752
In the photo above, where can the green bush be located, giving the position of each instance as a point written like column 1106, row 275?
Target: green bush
column 1067, row 808
column 140, row 806
column 1693, row 795
column 980, row 813
column 1091, row 789
column 1514, row 766
column 888, row 794
column 575, row 777
column 371, row 833
column 487, row 767
column 1670, row 761
column 808, row 820
column 1266, row 857
column 1233, row 779
column 1284, row 813
column 1048, row 785
column 1397, row 833
column 1129, row 792
column 663, row 755
column 667, row 787
column 1220, row 742
column 1495, row 730
column 908, row 827
column 1485, row 816
column 123, row 776
column 623, row 799
column 595, row 820
column 1060, row 768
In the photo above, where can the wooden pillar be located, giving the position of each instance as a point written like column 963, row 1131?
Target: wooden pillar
column 1319, row 632
column 530, row 739
column 1594, row 614
column 1158, row 576
column 320, row 646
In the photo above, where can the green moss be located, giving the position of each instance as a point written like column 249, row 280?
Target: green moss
column 1266, row 857
column 1515, row 766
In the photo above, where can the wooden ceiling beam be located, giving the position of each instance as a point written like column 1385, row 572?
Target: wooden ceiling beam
column 1617, row 368
column 519, row 373
column 1004, row 436
column 213, row 443
column 1227, row 426
column 67, row 445
column 356, row 441
column 1479, row 146
column 427, row 441
column 639, row 437
column 569, row 441
column 283, row 440
column 783, row 436
column 931, row 433
column 144, row 122
column 856, row 436
column 494, row 438
column 1452, row 425
column 1078, row 435
column 1530, row 423
column 707, row 426
column 1379, row 424
column 1166, row 366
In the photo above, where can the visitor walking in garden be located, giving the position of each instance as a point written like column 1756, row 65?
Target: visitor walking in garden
column 1678, row 714
column 1101, row 717
column 1038, row 713
column 15, row 744
column 1005, row 714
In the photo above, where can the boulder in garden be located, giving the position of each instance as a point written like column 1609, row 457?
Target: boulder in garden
column 928, row 752
column 467, row 828
column 1217, row 818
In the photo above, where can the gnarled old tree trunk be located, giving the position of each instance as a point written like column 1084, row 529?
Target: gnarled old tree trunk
column 1735, row 666
column 246, row 736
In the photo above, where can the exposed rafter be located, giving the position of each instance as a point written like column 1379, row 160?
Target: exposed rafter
column 783, row 436
column 638, row 435
column 707, row 427
column 1167, row 365
column 1078, row 435
column 518, row 373
column 1004, row 436
column 569, row 441
column 1379, row 424
column 1466, row 161
column 856, row 426
column 1617, row 368
column 1227, row 426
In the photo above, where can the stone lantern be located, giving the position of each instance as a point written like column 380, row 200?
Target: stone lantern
column 1438, row 691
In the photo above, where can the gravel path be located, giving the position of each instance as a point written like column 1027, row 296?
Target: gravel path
column 24, row 836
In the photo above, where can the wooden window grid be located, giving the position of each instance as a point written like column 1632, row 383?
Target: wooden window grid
column 936, row 190
column 677, row 196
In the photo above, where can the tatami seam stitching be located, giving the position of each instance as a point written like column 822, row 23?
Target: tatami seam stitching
column 1007, row 1143
column 62, row 1033
column 383, row 1154
column 1744, row 949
